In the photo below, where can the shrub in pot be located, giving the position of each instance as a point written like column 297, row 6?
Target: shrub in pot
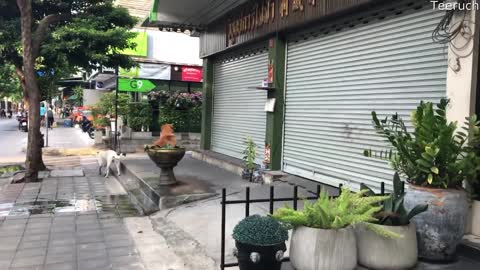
column 387, row 253
column 435, row 158
column 260, row 243
column 323, row 237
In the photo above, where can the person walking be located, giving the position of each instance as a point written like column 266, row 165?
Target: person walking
column 43, row 111
column 50, row 118
column 2, row 113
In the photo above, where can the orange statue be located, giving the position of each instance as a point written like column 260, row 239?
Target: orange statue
column 167, row 137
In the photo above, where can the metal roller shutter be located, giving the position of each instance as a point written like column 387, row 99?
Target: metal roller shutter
column 238, row 110
column 335, row 81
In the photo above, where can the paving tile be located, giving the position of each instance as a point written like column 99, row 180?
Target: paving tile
column 4, row 264
column 61, row 258
column 32, row 244
column 28, row 261
column 96, row 264
column 37, row 267
column 31, row 252
column 61, row 266
column 122, row 251
column 119, row 243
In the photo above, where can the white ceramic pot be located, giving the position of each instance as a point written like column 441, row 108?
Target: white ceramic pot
column 474, row 218
column 378, row 252
column 318, row 249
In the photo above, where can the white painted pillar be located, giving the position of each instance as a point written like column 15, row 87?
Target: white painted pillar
column 462, row 71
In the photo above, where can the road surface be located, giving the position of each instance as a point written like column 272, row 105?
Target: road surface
column 14, row 142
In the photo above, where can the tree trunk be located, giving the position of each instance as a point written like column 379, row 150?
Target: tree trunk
column 34, row 162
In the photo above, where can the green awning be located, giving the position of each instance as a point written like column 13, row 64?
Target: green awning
column 187, row 14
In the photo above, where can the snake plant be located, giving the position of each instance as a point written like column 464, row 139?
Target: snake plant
column 393, row 212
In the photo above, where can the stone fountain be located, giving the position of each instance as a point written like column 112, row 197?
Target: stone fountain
column 166, row 155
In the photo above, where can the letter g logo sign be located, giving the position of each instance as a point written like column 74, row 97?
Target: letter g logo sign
column 136, row 84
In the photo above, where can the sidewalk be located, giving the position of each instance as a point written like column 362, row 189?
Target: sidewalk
column 75, row 219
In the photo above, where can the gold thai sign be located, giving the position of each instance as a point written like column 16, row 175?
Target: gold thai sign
column 256, row 14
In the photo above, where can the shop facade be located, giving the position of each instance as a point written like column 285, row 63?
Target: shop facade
column 302, row 78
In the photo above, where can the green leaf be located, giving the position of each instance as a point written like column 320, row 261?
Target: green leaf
column 417, row 210
column 430, row 179
column 434, row 170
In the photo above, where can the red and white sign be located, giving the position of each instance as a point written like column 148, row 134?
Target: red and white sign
column 192, row 74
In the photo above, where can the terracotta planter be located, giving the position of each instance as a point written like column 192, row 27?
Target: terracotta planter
column 377, row 252
column 318, row 249
column 441, row 228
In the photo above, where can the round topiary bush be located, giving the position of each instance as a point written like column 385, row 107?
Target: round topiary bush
column 260, row 231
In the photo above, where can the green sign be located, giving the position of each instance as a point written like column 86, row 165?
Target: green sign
column 141, row 40
column 135, row 85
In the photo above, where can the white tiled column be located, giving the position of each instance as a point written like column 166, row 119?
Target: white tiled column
column 462, row 71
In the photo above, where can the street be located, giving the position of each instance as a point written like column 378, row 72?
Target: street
column 11, row 141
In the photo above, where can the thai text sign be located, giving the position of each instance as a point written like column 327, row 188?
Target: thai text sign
column 192, row 74
column 264, row 12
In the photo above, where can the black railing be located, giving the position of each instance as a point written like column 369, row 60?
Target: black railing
column 271, row 200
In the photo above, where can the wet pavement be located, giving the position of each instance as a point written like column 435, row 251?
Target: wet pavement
column 66, row 223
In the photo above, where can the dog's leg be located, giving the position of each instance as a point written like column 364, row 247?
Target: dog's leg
column 99, row 169
column 108, row 168
column 118, row 165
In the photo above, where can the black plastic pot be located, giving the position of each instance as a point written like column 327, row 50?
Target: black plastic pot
column 252, row 257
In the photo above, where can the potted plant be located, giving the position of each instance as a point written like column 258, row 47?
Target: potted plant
column 260, row 243
column 139, row 120
column 249, row 156
column 474, row 186
column 384, row 253
column 323, row 237
column 435, row 159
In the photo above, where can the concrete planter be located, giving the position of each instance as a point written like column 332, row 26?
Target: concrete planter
column 441, row 228
column 141, row 135
column 473, row 225
column 377, row 252
column 98, row 136
column 318, row 249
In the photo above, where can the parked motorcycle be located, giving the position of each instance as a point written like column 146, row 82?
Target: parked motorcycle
column 87, row 126
column 23, row 123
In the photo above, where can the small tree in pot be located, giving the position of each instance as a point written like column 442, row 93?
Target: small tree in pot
column 250, row 154
column 435, row 158
column 260, row 242
column 377, row 252
column 323, row 237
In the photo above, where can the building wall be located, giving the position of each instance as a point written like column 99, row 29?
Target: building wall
column 91, row 97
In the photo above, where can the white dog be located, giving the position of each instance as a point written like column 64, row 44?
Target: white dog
column 106, row 158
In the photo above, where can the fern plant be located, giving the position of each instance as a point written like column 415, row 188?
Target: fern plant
column 434, row 154
column 249, row 155
column 393, row 211
column 336, row 213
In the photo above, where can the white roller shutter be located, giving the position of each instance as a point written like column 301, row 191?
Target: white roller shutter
column 238, row 108
column 335, row 81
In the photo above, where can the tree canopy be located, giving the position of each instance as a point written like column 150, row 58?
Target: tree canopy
column 42, row 39
column 84, row 34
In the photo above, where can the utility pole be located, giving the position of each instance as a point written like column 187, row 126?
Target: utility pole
column 116, row 112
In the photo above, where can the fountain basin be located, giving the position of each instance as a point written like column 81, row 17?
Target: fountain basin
column 166, row 159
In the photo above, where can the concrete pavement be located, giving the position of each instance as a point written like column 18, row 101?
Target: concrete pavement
column 13, row 142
